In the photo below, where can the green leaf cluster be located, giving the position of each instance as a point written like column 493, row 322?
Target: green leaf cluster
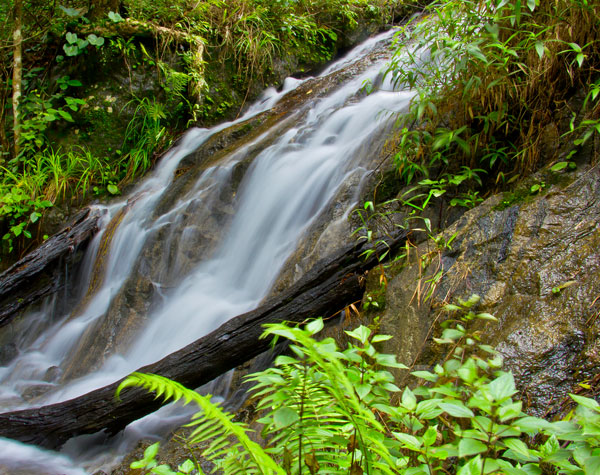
column 331, row 410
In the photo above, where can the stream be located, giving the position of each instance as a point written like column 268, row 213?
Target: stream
column 176, row 257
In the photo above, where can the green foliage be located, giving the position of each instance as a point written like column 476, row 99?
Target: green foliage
column 330, row 410
column 213, row 423
column 20, row 211
column 250, row 33
column 41, row 108
column 490, row 77
column 144, row 135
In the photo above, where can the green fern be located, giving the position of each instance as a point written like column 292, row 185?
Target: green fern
column 211, row 424
column 300, row 416
column 333, row 393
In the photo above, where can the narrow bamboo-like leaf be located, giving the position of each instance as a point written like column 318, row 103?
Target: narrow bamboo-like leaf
column 585, row 402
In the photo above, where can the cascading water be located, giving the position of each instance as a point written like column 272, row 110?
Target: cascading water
column 289, row 182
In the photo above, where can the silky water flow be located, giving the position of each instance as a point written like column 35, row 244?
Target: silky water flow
column 288, row 184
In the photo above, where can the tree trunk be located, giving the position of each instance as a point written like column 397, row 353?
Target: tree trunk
column 38, row 273
column 17, row 72
column 324, row 291
column 5, row 148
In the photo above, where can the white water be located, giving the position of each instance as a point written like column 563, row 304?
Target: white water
column 287, row 186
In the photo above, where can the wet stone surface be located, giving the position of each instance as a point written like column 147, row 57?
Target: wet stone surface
column 535, row 265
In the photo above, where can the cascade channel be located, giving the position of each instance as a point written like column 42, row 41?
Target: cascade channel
column 207, row 236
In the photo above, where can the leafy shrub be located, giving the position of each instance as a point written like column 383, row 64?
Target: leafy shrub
column 328, row 410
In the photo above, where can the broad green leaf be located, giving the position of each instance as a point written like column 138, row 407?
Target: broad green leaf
column 389, row 361
column 539, row 47
column 428, row 409
column 508, row 468
column 71, row 50
column 426, row 375
column 113, row 189
column 592, row 464
column 284, row 359
column 380, row 338
column 363, row 389
column 510, row 411
column 95, row 40
column 468, row 371
column 361, row 333
column 486, row 316
column 187, row 466
column 408, row 440
column 559, row 166
column 468, row 447
column 550, row 447
column 491, row 466
column 581, row 453
column 446, row 391
column 483, row 423
column 585, row 402
column 520, row 449
column 315, row 326
column 409, row 401
column 472, row 467
column 65, row 115
column 71, row 37
column 503, row 387
column 532, row 424
column 115, row 17
column 163, row 470
column 430, row 436
column 456, row 409
column 151, row 451
column 451, row 307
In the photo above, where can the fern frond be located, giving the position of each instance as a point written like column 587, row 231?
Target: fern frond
column 211, row 423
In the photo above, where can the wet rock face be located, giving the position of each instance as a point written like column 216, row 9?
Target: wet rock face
column 535, row 265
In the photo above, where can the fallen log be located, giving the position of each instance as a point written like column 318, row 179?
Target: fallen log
column 325, row 290
column 35, row 276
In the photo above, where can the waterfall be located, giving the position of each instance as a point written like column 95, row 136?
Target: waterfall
column 192, row 249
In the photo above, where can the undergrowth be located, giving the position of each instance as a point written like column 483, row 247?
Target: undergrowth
column 497, row 85
column 326, row 409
